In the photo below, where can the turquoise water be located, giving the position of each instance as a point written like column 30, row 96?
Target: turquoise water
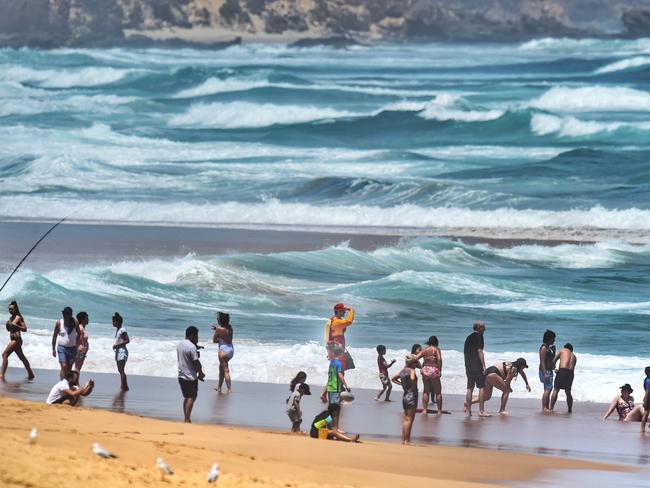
column 551, row 133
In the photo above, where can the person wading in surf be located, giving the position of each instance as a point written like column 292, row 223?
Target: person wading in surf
column 65, row 340
column 15, row 326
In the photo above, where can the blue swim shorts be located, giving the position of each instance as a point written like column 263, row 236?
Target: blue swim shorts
column 66, row 354
column 546, row 377
column 333, row 397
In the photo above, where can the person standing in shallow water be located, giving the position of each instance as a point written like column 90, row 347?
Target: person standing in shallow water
column 190, row 371
column 65, row 340
column 475, row 368
column 546, row 358
column 431, row 373
column 564, row 378
column 336, row 327
column 15, row 326
column 82, row 347
column 121, row 352
column 223, row 335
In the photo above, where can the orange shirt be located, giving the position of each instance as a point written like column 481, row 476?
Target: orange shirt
column 336, row 328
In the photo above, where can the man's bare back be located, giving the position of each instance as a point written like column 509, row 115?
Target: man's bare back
column 567, row 359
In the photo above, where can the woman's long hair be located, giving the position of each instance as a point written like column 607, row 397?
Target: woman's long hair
column 15, row 305
column 300, row 378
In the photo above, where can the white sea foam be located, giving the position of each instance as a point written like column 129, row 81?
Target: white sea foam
column 236, row 115
column 75, row 103
column 571, row 256
column 68, row 78
column 213, row 86
column 274, row 212
column 445, row 106
column 624, row 64
column 593, row 99
column 568, row 126
column 597, row 378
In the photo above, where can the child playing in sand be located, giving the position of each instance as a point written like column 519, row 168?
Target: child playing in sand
column 293, row 406
column 383, row 373
column 325, row 421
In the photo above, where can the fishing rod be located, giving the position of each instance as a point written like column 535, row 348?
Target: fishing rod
column 30, row 251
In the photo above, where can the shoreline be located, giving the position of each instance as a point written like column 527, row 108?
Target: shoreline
column 246, row 457
column 261, row 406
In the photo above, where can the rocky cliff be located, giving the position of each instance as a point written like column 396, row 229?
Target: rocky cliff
column 49, row 23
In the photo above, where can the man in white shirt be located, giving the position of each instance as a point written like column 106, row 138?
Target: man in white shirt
column 189, row 369
column 67, row 390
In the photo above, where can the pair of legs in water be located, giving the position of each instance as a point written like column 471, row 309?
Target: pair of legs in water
column 493, row 381
column 225, row 355
column 15, row 346
column 433, row 391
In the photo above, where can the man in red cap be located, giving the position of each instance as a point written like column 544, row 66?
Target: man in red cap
column 336, row 327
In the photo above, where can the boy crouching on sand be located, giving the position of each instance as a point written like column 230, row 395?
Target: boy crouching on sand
column 293, row 406
column 383, row 373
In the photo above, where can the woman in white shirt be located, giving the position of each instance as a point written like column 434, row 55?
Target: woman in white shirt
column 121, row 352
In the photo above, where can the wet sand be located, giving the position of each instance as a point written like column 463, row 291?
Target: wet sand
column 582, row 435
column 246, row 457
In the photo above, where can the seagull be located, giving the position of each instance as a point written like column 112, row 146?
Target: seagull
column 101, row 452
column 33, row 436
column 163, row 467
column 213, row 475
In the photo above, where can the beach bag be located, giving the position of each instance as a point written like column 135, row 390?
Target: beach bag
column 349, row 362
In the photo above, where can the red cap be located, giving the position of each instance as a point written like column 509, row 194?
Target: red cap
column 340, row 306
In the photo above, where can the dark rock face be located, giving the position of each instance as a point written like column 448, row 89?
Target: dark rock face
column 51, row 23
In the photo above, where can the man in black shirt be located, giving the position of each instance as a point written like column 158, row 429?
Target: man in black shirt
column 475, row 368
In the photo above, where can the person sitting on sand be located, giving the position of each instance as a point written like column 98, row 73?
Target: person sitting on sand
column 324, row 421
column 431, row 373
column 565, row 373
column 82, row 346
column 475, row 367
column 383, row 366
column 65, row 340
column 500, row 376
column 223, row 334
column 546, row 357
column 646, row 399
column 624, row 406
column 15, row 326
column 409, row 383
column 293, row 406
column 68, row 390
column 121, row 352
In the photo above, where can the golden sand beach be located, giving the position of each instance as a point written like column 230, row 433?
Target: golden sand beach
column 62, row 455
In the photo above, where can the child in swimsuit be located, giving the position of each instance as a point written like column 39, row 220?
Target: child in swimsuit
column 383, row 366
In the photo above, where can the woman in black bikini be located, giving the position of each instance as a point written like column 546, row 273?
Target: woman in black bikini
column 500, row 376
column 15, row 326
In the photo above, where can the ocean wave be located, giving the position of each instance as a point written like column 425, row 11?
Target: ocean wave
column 241, row 115
column 624, row 64
column 593, row 99
column 544, row 124
column 444, row 107
column 570, row 256
column 215, row 86
column 106, row 104
column 274, row 212
column 49, row 78
column 278, row 362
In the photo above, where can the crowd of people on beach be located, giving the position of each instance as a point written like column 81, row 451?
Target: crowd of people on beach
column 70, row 344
